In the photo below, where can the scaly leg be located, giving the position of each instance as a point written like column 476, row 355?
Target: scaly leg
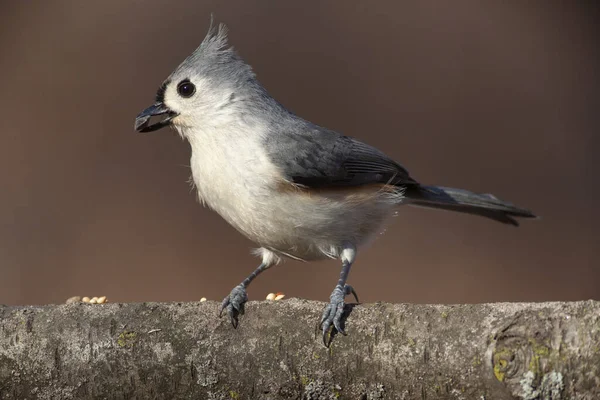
column 234, row 303
column 332, row 314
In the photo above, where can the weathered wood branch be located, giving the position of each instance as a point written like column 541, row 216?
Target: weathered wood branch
column 183, row 351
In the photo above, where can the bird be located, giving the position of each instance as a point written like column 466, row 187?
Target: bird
column 296, row 189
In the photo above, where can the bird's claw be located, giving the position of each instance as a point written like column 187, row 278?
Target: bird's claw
column 234, row 303
column 349, row 289
column 332, row 315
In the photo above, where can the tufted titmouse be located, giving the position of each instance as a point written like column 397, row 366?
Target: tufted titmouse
column 296, row 189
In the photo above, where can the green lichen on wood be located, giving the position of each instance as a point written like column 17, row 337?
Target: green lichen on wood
column 541, row 353
column 501, row 359
column 126, row 339
column 304, row 380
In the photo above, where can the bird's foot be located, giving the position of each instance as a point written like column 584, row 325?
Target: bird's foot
column 234, row 303
column 332, row 315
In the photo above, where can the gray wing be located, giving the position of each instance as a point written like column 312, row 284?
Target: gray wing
column 316, row 157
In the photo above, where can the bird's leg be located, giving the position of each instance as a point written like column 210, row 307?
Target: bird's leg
column 234, row 302
column 332, row 314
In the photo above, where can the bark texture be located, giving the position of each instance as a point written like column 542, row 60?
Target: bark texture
column 392, row 351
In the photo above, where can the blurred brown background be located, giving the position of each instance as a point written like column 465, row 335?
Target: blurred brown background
column 492, row 96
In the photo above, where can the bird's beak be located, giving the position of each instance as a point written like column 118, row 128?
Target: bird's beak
column 142, row 121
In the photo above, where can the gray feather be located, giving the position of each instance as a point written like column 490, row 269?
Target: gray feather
column 316, row 157
column 460, row 200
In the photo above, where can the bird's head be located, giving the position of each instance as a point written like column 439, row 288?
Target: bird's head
column 204, row 89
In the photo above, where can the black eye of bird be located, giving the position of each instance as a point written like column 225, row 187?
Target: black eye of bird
column 186, row 88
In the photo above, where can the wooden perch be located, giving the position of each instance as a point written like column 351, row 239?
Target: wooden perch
column 392, row 351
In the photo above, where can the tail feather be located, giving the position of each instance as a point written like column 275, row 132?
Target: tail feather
column 460, row 200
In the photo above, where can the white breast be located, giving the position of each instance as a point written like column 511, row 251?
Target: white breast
column 233, row 176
